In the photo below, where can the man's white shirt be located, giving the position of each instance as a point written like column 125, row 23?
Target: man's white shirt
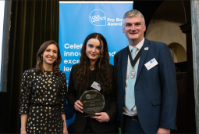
column 133, row 111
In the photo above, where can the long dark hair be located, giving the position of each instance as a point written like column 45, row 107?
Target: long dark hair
column 39, row 65
column 102, row 66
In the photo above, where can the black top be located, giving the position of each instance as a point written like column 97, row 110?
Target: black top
column 110, row 105
column 35, row 89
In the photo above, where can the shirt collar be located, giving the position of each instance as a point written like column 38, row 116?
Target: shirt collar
column 139, row 45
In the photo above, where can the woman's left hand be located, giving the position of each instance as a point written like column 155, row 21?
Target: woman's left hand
column 101, row 117
column 65, row 131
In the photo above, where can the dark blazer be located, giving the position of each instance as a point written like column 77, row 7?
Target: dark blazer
column 80, row 121
column 155, row 89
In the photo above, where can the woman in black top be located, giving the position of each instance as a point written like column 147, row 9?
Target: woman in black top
column 94, row 66
column 43, row 93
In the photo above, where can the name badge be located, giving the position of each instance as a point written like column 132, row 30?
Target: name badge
column 151, row 64
column 96, row 86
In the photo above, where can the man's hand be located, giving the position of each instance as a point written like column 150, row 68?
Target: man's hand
column 163, row 131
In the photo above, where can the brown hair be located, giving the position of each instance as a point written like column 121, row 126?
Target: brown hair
column 39, row 65
column 102, row 66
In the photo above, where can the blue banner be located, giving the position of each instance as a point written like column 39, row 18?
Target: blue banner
column 79, row 19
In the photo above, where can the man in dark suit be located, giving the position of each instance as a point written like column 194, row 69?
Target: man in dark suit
column 146, row 81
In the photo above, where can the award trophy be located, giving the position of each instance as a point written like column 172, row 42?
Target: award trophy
column 93, row 102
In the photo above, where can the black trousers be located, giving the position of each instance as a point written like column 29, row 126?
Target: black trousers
column 89, row 130
column 131, row 126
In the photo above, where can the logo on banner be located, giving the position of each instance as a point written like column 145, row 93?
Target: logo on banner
column 97, row 17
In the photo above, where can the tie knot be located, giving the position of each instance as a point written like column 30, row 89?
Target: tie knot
column 134, row 49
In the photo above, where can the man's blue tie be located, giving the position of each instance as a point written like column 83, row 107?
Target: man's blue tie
column 130, row 98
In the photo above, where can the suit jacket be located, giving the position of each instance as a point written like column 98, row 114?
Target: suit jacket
column 155, row 89
column 110, row 107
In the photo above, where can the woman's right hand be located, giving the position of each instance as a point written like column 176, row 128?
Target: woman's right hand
column 23, row 123
column 23, row 131
column 78, row 106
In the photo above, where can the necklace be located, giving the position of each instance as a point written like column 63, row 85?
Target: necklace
column 132, row 73
column 48, row 78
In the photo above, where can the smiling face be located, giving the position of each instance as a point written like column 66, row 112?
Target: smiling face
column 50, row 55
column 134, row 29
column 93, row 49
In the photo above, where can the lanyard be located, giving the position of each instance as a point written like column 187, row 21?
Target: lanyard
column 133, row 62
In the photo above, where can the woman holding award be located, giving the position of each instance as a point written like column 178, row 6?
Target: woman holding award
column 91, row 79
column 43, row 94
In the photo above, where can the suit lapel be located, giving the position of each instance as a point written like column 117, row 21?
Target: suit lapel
column 143, row 55
column 124, row 66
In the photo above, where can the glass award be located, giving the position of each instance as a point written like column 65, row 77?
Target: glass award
column 93, row 102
